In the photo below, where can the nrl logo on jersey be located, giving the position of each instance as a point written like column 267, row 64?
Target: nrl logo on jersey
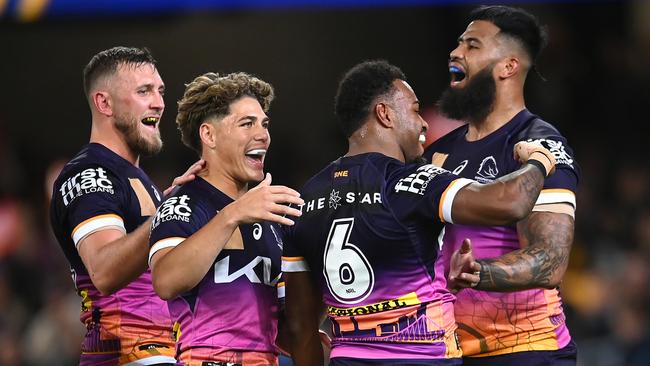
column 88, row 181
column 557, row 149
column 417, row 182
column 174, row 208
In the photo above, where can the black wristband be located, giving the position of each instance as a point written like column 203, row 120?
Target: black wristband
column 539, row 165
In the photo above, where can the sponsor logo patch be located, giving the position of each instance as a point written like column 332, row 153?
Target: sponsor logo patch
column 174, row 208
column 417, row 182
column 90, row 180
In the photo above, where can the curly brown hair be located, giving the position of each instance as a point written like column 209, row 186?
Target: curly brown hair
column 210, row 95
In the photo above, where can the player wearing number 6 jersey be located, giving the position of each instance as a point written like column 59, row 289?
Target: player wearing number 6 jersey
column 214, row 254
column 366, row 241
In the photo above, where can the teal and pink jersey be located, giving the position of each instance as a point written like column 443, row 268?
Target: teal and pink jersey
column 231, row 316
column 497, row 323
column 99, row 190
column 368, row 238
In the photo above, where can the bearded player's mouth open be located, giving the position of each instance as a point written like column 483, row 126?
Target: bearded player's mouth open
column 150, row 121
column 457, row 74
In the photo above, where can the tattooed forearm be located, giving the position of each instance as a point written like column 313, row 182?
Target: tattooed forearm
column 522, row 188
column 540, row 264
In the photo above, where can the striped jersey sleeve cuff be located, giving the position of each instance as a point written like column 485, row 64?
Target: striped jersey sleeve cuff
column 94, row 224
column 294, row 264
column 556, row 196
column 447, row 199
column 162, row 244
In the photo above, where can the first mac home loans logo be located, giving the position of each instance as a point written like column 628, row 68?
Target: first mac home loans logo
column 88, row 181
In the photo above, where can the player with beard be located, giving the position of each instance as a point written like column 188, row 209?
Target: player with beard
column 215, row 244
column 514, row 315
column 100, row 208
column 365, row 243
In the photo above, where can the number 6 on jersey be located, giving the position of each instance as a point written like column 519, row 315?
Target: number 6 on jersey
column 348, row 274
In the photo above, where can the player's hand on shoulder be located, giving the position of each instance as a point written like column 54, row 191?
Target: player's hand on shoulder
column 268, row 202
column 188, row 176
column 525, row 151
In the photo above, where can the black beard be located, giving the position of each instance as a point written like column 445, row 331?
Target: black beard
column 474, row 102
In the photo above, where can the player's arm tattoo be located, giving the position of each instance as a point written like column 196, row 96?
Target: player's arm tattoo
column 540, row 264
column 530, row 185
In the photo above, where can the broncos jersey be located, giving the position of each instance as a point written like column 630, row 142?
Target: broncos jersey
column 494, row 323
column 231, row 315
column 367, row 235
column 100, row 190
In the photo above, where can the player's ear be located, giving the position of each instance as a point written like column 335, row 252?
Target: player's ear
column 383, row 114
column 509, row 67
column 102, row 102
column 207, row 134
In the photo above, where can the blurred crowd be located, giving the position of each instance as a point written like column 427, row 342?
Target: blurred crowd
column 606, row 289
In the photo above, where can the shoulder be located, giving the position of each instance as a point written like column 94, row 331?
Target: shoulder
column 534, row 127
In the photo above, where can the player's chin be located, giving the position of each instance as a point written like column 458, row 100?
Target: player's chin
column 256, row 175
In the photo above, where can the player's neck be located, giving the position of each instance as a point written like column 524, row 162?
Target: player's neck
column 374, row 145
column 221, row 180
column 104, row 134
column 505, row 108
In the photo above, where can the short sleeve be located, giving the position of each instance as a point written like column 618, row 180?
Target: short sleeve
column 561, row 186
column 293, row 257
column 92, row 199
column 177, row 218
column 424, row 192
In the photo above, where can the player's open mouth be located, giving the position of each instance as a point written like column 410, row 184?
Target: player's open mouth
column 256, row 156
column 422, row 138
column 457, row 74
column 150, row 121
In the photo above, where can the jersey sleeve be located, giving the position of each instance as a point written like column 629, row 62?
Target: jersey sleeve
column 293, row 258
column 559, row 188
column 426, row 192
column 176, row 219
column 92, row 199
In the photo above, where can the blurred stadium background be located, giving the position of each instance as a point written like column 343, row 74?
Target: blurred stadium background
column 596, row 93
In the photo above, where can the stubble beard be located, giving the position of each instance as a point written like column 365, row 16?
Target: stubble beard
column 136, row 142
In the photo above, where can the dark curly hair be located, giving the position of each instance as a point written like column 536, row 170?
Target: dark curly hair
column 359, row 88
column 210, row 96
column 517, row 23
column 106, row 63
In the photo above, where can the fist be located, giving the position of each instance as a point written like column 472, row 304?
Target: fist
column 524, row 151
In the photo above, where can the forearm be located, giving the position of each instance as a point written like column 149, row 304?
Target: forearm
column 541, row 264
column 506, row 200
column 180, row 269
column 303, row 310
column 114, row 265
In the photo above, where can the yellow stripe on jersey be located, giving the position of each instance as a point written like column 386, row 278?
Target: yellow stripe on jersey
column 94, row 224
column 556, row 195
column 164, row 243
column 403, row 301
column 294, row 264
column 447, row 198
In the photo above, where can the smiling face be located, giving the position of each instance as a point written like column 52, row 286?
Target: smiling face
column 410, row 126
column 242, row 139
column 137, row 94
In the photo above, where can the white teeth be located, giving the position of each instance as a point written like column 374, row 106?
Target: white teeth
column 256, row 152
column 422, row 138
